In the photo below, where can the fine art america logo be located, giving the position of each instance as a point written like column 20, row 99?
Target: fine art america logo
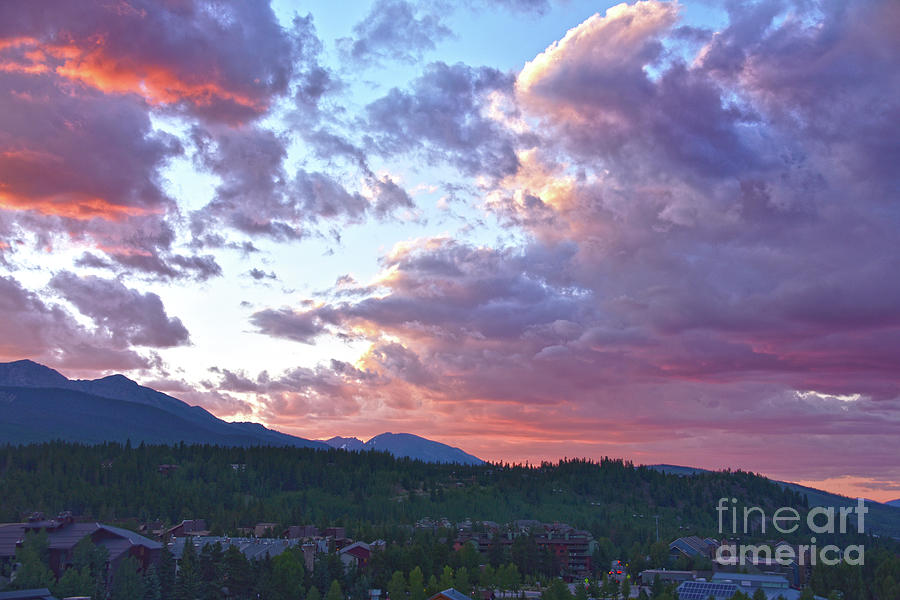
column 820, row 520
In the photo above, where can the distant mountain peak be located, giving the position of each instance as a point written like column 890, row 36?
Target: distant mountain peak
column 115, row 408
column 346, row 443
column 29, row 373
column 407, row 445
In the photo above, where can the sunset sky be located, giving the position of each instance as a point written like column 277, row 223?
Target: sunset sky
column 668, row 232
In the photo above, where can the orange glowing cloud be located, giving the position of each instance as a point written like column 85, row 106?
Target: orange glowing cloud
column 157, row 84
column 96, row 65
column 74, row 206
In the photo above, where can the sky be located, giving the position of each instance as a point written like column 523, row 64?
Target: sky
column 533, row 229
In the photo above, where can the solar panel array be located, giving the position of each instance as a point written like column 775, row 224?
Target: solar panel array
column 702, row 590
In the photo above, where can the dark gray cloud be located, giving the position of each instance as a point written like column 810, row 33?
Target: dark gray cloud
column 223, row 62
column 33, row 328
column 259, row 274
column 395, row 30
column 257, row 197
column 288, row 324
column 82, row 82
column 126, row 314
column 441, row 117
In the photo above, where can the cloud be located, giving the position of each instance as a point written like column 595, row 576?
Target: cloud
column 396, row 30
column 288, row 324
column 126, row 314
column 442, row 118
column 326, row 391
column 259, row 274
column 82, row 158
column 32, row 328
column 258, row 198
column 224, row 62
column 78, row 155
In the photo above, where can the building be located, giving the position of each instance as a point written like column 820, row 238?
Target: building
column 301, row 531
column 188, row 527
column 693, row 546
column 356, row 555
column 665, row 576
column 261, row 529
column 704, row 590
column 252, row 548
column 449, row 594
column 753, row 581
column 35, row 594
column 724, row 590
column 338, row 533
column 573, row 548
column 63, row 533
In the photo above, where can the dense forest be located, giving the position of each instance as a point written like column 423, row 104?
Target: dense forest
column 376, row 496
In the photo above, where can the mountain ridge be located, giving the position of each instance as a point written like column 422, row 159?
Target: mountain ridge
column 39, row 406
column 883, row 517
column 407, row 445
column 40, row 399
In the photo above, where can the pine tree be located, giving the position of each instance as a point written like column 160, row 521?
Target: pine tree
column 165, row 570
column 127, row 583
column 397, row 586
column 74, row 582
column 238, row 574
column 188, row 585
column 446, row 581
column 152, row 589
column 416, row 584
column 32, row 558
column 461, row 581
column 334, row 592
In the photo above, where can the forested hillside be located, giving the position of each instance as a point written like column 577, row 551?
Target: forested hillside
column 376, row 496
column 233, row 487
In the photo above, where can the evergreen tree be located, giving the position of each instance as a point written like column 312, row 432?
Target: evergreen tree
column 432, row 586
column 32, row 557
column 487, row 578
column 557, row 590
column 287, row 575
column 495, row 554
column 334, row 592
column 75, row 582
column 211, row 567
column 313, row 594
column 127, row 583
column 165, row 570
column 152, row 589
column 446, row 581
column 238, row 576
column 397, row 586
column 416, row 585
column 461, row 581
column 188, row 585
column 581, row 592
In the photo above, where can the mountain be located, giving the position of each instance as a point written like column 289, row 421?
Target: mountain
column 882, row 518
column 40, row 404
column 677, row 469
column 343, row 443
column 407, row 445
